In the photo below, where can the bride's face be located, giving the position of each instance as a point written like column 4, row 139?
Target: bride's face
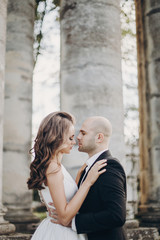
column 70, row 141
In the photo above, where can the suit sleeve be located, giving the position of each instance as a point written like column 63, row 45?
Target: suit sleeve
column 113, row 199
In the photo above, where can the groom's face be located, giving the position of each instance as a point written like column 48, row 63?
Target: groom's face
column 86, row 138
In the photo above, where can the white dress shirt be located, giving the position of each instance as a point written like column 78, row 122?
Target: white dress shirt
column 89, row 163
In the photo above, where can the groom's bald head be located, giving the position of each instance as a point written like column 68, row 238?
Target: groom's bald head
column 94, row 135
column 99, row 124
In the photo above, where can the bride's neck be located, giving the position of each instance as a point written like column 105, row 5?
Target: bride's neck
column 57, row 158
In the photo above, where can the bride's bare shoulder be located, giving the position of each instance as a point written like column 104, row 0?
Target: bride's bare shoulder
column 53, row 167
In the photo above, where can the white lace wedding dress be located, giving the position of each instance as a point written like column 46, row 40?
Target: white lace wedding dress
column 50, row 231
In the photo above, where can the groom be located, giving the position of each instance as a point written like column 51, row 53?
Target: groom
column 102, row 214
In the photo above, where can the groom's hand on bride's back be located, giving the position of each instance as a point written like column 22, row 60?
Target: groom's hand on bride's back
column 52, row 211
column 54, row 215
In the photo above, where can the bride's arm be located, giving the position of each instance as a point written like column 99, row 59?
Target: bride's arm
column 67, row 210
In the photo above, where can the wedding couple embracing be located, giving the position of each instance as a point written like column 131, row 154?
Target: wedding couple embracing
column 94, row 206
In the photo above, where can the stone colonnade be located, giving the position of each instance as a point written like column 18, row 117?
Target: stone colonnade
column 17, row 112
column 148, row 41
column 5, row 227
column 90, row 85
column 91, row 82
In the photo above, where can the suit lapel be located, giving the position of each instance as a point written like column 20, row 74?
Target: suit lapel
column 104, row 155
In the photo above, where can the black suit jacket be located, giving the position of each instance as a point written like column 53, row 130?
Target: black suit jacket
column 102, row 214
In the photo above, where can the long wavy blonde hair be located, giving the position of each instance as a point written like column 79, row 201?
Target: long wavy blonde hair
column 49, row 141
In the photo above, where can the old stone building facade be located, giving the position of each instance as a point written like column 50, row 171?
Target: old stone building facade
column 90, row 73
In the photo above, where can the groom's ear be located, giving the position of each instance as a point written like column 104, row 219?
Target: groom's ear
column 99, row 137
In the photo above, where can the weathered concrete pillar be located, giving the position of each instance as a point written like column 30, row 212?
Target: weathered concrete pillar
column 18, row 112
column 5, row 227
column 91, row 82
column 148, row 42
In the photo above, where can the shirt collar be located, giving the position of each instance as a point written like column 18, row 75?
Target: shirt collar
column 92, row 159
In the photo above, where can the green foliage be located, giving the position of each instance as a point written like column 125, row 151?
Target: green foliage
column 56, row 3
column 36, row 195
column 42, row 8
column 45, row 6
column 127, row 18
column 127, row 32
column 129, row 72
column 40, row 215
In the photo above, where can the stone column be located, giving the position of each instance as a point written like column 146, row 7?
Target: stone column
column 18, row 112
column 5, row 227
column 148, row 42
column 91, row 82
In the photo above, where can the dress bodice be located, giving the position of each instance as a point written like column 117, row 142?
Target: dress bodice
column 51, row 231
column 70, row 188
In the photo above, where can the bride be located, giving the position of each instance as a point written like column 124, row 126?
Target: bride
column 55, row 137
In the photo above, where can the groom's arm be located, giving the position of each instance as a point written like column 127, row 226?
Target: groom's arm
column 113, row 198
